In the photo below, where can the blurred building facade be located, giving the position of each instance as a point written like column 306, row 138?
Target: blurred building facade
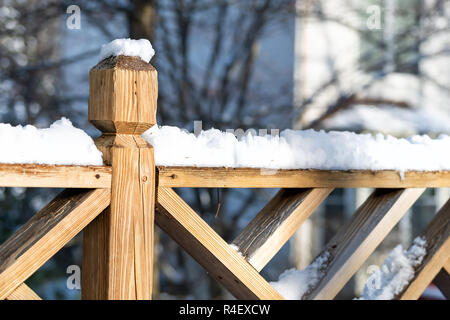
column 370, row 66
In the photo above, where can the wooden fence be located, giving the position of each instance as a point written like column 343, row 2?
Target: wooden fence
column 115, row 206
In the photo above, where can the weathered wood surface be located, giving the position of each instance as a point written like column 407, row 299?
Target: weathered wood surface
column 264, row 236
column 359, row 237
column 118, row 245
column 194, row 177
column 437, row 236
column 61, row 176
column 123, row 93
column 47, row 232
column 223, row 263
column 23, row 292
column 52, row 176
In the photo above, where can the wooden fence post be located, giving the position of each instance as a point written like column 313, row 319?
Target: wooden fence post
column 118, row 245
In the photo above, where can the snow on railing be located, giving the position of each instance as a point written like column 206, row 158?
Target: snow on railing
column 60, row 144
column 298, row 149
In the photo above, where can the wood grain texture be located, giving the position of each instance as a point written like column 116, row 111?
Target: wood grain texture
column 50, row 176
column 118, row 246
column 359, row 237
column 144, row 222
column 277, row 222
column 23, row 292
column 223, row 263
column 437, row 236
column 47, row 232
column 193, row 177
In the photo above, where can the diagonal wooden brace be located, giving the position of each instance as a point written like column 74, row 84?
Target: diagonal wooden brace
column 354, row 243
column 277, row 222
column 46, row 233
column 23, row 292
column 222, row 262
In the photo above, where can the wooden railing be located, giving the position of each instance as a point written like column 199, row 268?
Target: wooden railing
column 115, row 206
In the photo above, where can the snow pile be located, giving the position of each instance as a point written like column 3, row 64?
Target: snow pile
column 395, row 273
column 297, row 149
column 293, row 284
column 128, row 47
column 60, row 144
column 393, row 120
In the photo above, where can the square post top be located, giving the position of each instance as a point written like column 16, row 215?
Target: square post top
column 123, row 93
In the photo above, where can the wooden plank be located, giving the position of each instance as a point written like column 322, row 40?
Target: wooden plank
column 23, row 292
column 144, row 222
column 222, row 262
column 193, row 177
column 118, row 246
column 359, row 237
column 437, row 236
column 442, row 281
column 277, row 222
column 47, row 232
column 49, row 176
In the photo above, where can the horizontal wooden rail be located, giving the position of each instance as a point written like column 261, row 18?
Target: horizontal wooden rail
column 66, row 176
column 194, row 177
column 50, row 176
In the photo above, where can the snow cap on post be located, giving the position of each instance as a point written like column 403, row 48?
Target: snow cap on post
column 123, row 88
column 127, row 47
